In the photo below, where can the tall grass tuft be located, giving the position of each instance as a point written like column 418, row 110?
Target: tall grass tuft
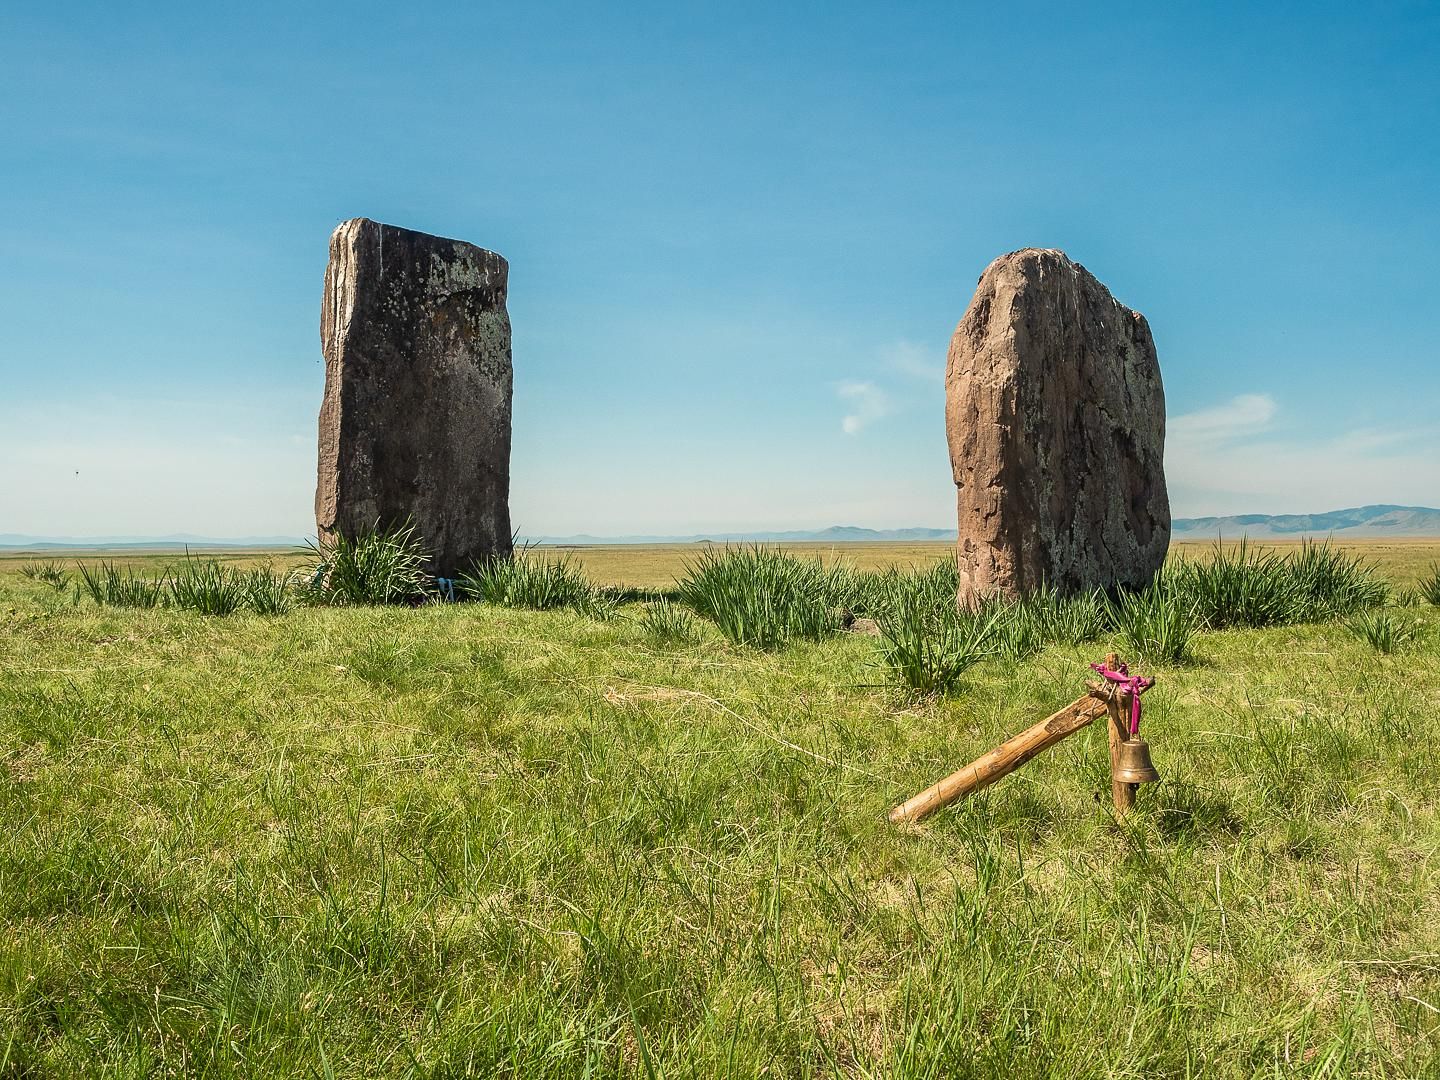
column 267, row 592
column 1156, row 622
column 668, row 623
column 1238, row 587
column 1383, row 632
column 934, row 586
column 601, row 603
column 109, row 585
column 206, row 587
column 1242, row 587
column 1021, row 626
column 381, row 566
column 1430, row 586
column 47, row 573
column 928, row 648
column 761, row 597
column 1331, row 584
column 530, row 580
column 1047, row 616
column 1078, row 619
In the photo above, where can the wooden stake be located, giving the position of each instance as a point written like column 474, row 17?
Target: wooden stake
column 1121, row 793
column 1002, row 761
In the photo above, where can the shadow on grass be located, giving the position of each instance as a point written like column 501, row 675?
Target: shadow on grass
column 1181, row 809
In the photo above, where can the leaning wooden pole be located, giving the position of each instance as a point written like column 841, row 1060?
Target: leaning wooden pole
column 1002, row 761
column 1121, row 793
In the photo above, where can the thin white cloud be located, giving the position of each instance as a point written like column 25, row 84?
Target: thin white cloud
column 1227, row 460
column 1246, row 414
column 867, row 403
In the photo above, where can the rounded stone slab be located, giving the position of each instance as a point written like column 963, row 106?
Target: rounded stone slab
column 415, row 423
column 1056, row 420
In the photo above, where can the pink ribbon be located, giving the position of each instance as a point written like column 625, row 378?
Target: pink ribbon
column 1134, row 685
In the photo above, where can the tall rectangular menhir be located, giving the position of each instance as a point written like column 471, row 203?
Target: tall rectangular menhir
column 415, row 424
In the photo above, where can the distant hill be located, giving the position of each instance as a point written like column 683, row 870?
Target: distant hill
column 835, row 534
column 1361, row 522
column 175, row 542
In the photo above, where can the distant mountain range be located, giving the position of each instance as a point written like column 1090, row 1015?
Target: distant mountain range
column 835, row 534
column 1360, row 522
column 1363, row 522
column 174, row 542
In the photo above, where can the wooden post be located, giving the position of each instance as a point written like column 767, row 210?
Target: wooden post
column 1121, row 793
column 1002, row 761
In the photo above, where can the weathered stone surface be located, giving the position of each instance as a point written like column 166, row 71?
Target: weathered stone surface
column 415, row 423
column 1056, row 420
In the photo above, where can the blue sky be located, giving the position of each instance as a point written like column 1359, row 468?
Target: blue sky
column 740, row 237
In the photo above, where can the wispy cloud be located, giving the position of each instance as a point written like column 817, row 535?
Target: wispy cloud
column 1246, row 414
column 1229, row 459
column 867, row 403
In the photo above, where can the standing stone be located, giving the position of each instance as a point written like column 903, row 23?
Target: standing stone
column 415, row 424
column 1056, row 421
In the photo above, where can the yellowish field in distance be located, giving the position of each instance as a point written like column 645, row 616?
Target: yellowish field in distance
column 1403, row 561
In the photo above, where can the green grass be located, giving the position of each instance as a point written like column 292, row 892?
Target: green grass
column 1331, row 583
column 112, row 586
column 1156, row 623
column 1383, row 631
column 1241, row 585
column 386, row 565
column 1429, row 586
column 668, row 623
column 529, row 580
column 1401, row 561
column 206, row 587
column 267, row 591
column 760, row 596
column 928, row 648
column 50, row 573
column 768, row 598
column 464, row 839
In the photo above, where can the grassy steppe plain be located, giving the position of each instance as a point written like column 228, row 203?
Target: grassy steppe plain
column 461, row 840
column 1402, row 561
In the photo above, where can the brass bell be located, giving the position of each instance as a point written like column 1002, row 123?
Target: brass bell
column 1133, row 764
